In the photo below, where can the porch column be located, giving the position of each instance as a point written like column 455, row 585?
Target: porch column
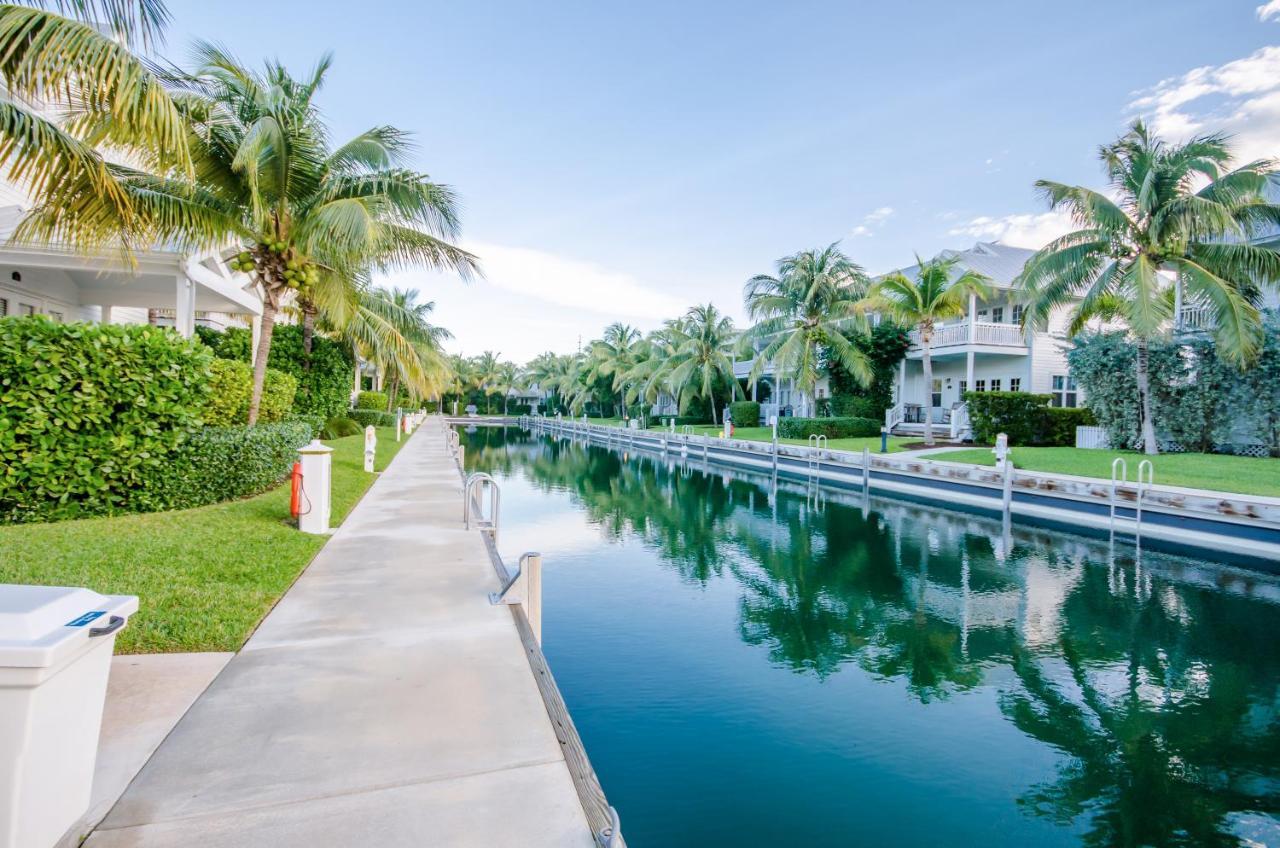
column 902, row 381
column 754, row 391
column 106, row 315
column 973, row 316
column 968, row 372
column 255, row 332
column 185, row 311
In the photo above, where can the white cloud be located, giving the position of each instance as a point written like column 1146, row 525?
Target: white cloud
column 871, row 222
column 1267, row 11
column 573, row 283
column 1240, row 97
column 1028, row 230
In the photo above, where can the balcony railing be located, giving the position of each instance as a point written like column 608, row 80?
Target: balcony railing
column 984, row 333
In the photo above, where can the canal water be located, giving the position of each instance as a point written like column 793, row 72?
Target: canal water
column 761, row 665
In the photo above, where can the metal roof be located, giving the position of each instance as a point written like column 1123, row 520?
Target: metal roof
column 1001, row 263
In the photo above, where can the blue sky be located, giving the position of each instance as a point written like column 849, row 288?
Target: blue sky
column 624, row 161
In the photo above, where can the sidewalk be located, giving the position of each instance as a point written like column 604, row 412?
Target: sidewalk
column 383, row 702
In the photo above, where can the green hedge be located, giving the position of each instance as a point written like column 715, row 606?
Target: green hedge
column 324, row 388
column 314, row 422
column 231, row 388
column 221, row 463
column 832, row 428
column 745, row 413
column 1027, row 419
column 90, row 414
column 372, row 400
column 857, row 406
column 376, row 417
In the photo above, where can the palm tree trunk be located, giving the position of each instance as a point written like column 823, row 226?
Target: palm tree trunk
column 713, row 409
column 1149, row 446
column 392, row 392
column 260, row 360
column 355, row 385
column 928, row 393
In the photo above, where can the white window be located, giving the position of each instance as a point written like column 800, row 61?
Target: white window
column 997, row 314
column 995, row 384
column 26, row 309
column 982, row 314
column 935, row 397
column 1064, row 390
column 57, row 316
column 964, row 387
column 4, row 307
column 979, row 385
column 1017, row 314
column 1015, row 384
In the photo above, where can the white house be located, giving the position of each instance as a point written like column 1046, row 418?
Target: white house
column 986, row 350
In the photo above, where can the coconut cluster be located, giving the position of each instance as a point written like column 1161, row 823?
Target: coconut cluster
column 278, row 264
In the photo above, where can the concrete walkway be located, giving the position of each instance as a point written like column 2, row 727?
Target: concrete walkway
column 383, row 702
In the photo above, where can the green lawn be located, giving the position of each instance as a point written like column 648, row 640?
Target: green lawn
column 1222, row 473
column 765, row 434
column 205, row 577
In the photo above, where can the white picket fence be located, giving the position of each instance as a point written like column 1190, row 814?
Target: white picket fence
column 1092, row 437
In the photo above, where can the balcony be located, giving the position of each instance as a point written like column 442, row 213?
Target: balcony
column 980, row 334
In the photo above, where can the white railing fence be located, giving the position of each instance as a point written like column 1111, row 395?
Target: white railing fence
column 984, row 332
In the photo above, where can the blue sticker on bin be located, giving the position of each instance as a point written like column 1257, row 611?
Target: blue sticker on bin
column 85, row 619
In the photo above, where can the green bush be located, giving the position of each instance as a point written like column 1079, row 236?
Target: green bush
column 1060, row 423
column 231, row 388
column 1019, row 415
column 337, row 428
column 220, row 463
column 314, row 422
column 324, row 386
column 1027, row 419
column 857, row 406
column 372, row 400
column 832, row 428
column 90, row 414
column 745, row 413
column 376, row 417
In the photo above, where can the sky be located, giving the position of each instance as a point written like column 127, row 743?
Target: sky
column 624, row 161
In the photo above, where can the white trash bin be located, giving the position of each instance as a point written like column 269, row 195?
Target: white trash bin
column 55, row 655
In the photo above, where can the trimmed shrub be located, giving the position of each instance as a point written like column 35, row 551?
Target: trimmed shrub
column 231, row 388
column 323, row 389
column 832, row 428
column 372, row 400
column 314, row 422
column 376, row 417
column 1027, row 419
column 1060, row 423
column 90, row 414
column 1019, row 415
column 221, row 463
column 337, row 428
column 857, row 406
column 745, row 413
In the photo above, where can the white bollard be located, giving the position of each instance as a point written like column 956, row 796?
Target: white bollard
column 317, row 465
column 399, row 425
column 370, row 447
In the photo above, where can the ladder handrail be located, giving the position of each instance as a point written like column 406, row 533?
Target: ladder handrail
column 1119, row 474
column 480, row 478
column 1143, row 485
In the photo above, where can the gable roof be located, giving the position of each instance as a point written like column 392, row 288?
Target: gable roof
column 1001, row 263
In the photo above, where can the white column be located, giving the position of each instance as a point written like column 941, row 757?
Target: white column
column 105, row 317
column 255, row 331
column 973, row 316
column 185, row 311
column 968, row 372
column 902, row 382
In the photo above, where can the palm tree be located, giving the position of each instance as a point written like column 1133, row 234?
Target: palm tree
column 419, row 364
column 613, row 356
column 84, row 66
column 933, row 296
column 313, row 220
column 508, row 378
column 812, row 303
column 704, row 353
column 1160, row 240
column 487, row 373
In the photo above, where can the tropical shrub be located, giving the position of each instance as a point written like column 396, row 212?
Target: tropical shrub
column 376, row 417
column 884, row 347
column 221, row 463
column 372, row 400
column 231, row 385
column 857, row 406
column 324, row 386
column 745, row 413
column 832, row 428
column 1026, row 418
column 91, row 413
column 314, row 422
column 1200, row 401
column 339, row 427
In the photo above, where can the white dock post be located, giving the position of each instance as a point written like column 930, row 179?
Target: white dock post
column 316, row 474
column 370, row 447
column 1008, row 484
column 533, row 605
column 866, row 471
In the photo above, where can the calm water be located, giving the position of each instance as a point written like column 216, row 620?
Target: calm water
column 800, row 668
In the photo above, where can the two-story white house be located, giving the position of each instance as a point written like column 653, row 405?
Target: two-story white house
column 986, row 350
